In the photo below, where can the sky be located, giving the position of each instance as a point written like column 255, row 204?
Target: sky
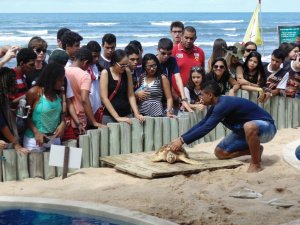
column 102, row 6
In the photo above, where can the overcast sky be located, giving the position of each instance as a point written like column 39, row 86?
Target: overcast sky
column 38, row 6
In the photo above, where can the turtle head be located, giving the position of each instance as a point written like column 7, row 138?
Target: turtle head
column 171, row 157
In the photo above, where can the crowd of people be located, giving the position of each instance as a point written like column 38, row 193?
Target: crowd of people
column 64, row 94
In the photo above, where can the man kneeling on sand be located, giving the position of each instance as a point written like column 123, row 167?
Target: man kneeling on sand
column 250, row 125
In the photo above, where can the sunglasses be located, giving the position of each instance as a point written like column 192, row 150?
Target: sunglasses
column 154, row 66
column 217, row 66
column 39, row 50
column 122, row 65
column 250, row 50
column 196, row 68
column 166, row 53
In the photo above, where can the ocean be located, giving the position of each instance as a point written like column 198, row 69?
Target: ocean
column 148, row 28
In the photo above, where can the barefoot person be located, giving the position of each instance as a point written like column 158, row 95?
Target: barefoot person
column 250, row 126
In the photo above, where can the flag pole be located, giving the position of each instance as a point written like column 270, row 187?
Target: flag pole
column 261, row 30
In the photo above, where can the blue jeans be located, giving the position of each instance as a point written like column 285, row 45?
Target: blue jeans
column 235, row 142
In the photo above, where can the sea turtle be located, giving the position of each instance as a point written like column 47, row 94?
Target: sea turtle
column 167, row 155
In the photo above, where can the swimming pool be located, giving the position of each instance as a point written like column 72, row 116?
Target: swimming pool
column 27, row 211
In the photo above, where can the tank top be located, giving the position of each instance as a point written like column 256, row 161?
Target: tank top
column 46, row 116
column 120, row 101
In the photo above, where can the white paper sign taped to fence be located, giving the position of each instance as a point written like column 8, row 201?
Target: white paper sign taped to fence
column 57, row 153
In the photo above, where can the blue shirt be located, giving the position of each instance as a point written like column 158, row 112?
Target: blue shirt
column 233, row 112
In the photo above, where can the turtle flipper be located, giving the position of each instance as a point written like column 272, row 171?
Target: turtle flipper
column 188, row 160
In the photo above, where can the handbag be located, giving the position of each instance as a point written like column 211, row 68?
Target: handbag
column 100, row 111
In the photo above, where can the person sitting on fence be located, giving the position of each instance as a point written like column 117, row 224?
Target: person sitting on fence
column 250, row 125
column 152, row 87
column 46, row 124
column 117, row 79
column 275, row 72
column 193, row 88
column 254, row 78
column 8, row 127
column 220, row 74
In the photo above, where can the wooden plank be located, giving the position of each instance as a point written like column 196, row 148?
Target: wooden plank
column 149, row 134
column 84, row 143
column 296, row 112
column 104, row 146
column 114, row 138
column 36, row 164
column 9, row 165
column 166, row 130
column 245, row 94
column 22, row 165
column 281, row 113
column 139, row 164
column 174, row 128
column 289, row 112
column 94, row 147
column 125, row 133
column 137, row 135
column 158, row 132
column 274, row 108
column 49, row 171
column 253, row 96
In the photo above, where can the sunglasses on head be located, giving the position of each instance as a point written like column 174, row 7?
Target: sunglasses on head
column 196, row 68
column 39, row 50
column 217, row 66
column 250, row 50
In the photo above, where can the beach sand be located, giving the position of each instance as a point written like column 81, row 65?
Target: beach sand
column 195, row 199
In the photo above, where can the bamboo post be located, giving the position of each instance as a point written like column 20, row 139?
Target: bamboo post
column 296, row 116
column 174, row 128
column 36, row 165
column 49, row 171
column 22, row 165
column 114, row 138
column 9, row 165
column 158, row 132
column 149, row 134
column 166, row 130
column 281, row 113
column 267, row 106
column 104, row 144
column 220, row 131
column 245, row 94
column 137, row 135
column 95, row 147
column 289, row 112
column 253, row 96
column 84, row 143
column 274, row 108
column 125, row 129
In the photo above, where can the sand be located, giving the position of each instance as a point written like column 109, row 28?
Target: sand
column 196, row 199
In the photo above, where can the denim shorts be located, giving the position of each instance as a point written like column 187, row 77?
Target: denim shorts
column 235, row 142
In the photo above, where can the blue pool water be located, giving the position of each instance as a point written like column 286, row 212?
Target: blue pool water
column 23, row 216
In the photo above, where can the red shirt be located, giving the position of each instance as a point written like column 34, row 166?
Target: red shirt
column 21, row 87
column 186, row 60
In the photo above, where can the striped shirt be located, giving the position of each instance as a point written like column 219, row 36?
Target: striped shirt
column 153, row 105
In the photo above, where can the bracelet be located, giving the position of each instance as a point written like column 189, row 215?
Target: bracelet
column 184, row 100
column 170, row 111
column 181, row 139
column 259, row 89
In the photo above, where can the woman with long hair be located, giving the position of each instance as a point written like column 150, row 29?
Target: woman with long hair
column 253, row 78
column 219, row 50
column 45, row 123
column 220, row 74
column 156, row 85
column 193, row 88
column 118, row 108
